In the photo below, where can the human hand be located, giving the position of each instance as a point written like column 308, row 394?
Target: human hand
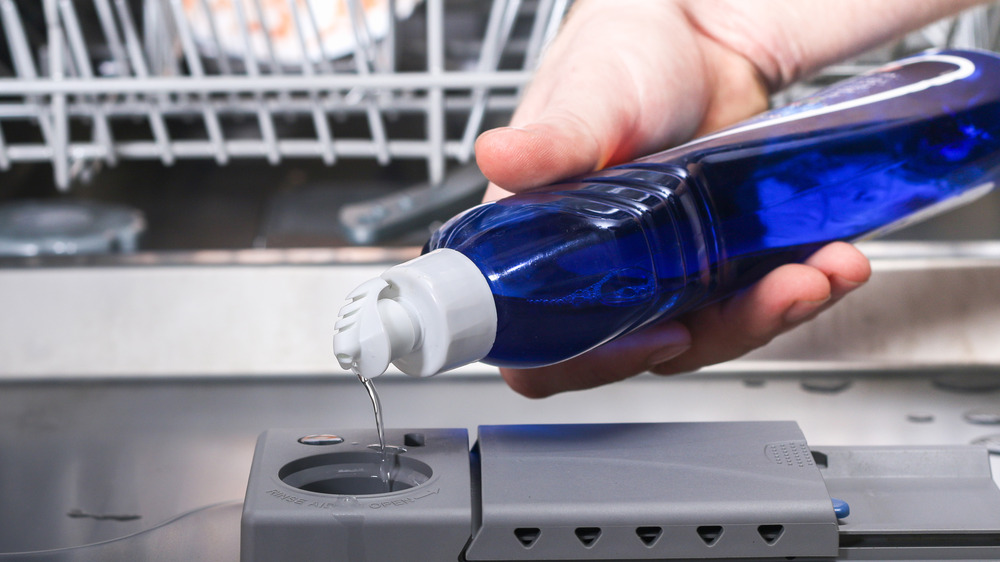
column 625, row 79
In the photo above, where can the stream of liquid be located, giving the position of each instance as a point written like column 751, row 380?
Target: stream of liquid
column 385, row 464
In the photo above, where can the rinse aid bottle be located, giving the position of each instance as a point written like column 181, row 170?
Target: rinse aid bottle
column 541, row 277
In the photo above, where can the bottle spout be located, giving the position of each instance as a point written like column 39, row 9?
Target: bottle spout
column 372, row 331
column 427, row 315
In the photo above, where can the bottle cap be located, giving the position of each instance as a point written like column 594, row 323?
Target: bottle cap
column 425, row 316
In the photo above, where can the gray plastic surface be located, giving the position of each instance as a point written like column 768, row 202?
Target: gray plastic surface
column 719, row 490
column 915, row 503
column 428, row 522
column 693, row 490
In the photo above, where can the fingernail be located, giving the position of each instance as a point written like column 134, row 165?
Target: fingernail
column 841, row 286
column 506, row 129
column 802, row 310
column 497, row 130
column 667, row 353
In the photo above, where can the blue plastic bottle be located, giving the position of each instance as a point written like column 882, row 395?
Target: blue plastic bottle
column 576, row 264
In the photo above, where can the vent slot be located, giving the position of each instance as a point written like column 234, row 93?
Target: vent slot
column 820, row 459
column 710, row 534
column 770, row 533
column 588, row 535
column 648, row 535
column 527, row 535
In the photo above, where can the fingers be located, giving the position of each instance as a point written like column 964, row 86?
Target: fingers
column 520, row 158
column 844, row 265
column 728, row 329
column 783, row 299
column 600, row 96
column 609, row 363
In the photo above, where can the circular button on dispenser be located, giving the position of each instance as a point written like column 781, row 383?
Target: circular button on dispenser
column 840, row 508
column 321, row 439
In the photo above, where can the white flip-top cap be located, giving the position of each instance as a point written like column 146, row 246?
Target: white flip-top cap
column 428, row 315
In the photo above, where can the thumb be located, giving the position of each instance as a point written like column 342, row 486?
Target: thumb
column 600, row 98
column 516, row 158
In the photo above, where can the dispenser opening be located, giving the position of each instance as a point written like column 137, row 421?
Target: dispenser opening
column 355, row 473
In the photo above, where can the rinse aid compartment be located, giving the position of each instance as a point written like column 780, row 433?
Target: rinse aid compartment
column 746, row 490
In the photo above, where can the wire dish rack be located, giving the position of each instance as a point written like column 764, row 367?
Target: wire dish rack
column 87, row 83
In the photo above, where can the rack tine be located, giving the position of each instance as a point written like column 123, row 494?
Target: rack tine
column 264, row 119
column 74, row 39
column 68, row 60
column 333, row 98
column 78, row 49
column 19, row 50
column 555, row 19
column 322, row 124
column 138, row 63
column 387, row 62
column 362, row 34
column 435, row 94
column 158, row 42
column 4, row 158
column 60, row 118
column 107, row 21
column 249, row 60
column 389, row 43
column 499, row 27
column 325, row 58
column 265, row 29
column 325, row 64
column 208, row 113
column 110, row 29
column 24, row 66
column 543, row 14
column 221, row 55
column 362, row 43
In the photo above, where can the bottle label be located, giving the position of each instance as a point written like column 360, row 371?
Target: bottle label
column 887, row 82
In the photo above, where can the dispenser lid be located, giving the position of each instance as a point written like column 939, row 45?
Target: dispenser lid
column 428, row 315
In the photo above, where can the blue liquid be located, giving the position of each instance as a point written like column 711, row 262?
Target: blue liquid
column 577, row 264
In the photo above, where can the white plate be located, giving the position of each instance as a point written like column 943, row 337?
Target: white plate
column 336, row 37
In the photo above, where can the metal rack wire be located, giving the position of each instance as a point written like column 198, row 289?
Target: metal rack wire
column 92, row 82
column 87, row 83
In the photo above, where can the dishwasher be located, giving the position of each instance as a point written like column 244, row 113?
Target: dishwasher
column 190, row 188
